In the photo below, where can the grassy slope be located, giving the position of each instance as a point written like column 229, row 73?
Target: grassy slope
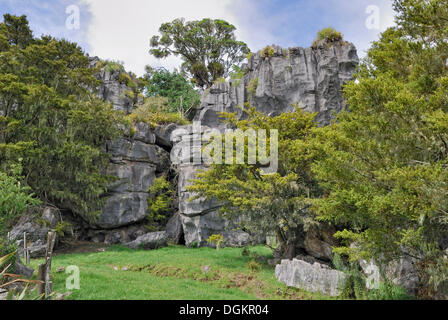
column 171, row 273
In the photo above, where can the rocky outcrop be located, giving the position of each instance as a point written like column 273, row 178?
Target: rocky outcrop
column 311, row 78
column 113, row 90
column 135, row 161
column 150, row 241
column 36, row 227
column 200, row 217
column 401, row 272
column 311, row 277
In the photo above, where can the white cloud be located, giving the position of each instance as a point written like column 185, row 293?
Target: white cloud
column 120, row 30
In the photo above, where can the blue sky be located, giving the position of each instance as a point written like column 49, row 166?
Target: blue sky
column 120, row 30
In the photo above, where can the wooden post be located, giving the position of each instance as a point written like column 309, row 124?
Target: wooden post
column 25, row 249
column 44, row 269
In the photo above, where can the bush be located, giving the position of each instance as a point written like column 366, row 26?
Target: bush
column 112, row 66
column 160, row 203
column 15, row 198
column 216, row 239
column 252, row 87
column 268, row 52
column 328, row 35
column 156, row 111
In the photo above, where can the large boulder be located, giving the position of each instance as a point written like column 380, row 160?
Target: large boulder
column 135, row 161
column 150, row 241
column 311, row 277
column 174, row 229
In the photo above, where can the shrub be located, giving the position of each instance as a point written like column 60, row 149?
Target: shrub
column 160, row 202
column 268, row 52
column 328, row 35
column 155, row 111
column 252, row 86
column 112, row 66
column 15, row 198
column 216, row 239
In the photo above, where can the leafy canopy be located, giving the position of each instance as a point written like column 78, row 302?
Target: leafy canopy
column 51, row 117
column 385, row 164
column 207, row 47
column 181, row 95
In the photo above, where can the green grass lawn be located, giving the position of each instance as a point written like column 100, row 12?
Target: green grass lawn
column 172, row 273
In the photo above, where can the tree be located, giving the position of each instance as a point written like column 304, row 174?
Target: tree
column 207, row 47
column 181, row 95
column 278, row 203
column 16, row 30
column 385, row 169
column 51, row 117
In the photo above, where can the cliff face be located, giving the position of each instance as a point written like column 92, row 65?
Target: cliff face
column 277, row 82
column 311, row 77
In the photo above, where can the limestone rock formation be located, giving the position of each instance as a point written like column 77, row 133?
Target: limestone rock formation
column 311, row 77
column 111, row 89
column 311, row 277
column 149, row 241
column 200, row 218
column 36, row 228
column 135, row 161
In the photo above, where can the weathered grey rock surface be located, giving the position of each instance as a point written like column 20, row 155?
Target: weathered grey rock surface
column 150, row 241
column 112, row 90
column 36, row 228
column 401, row 272
column 310, row 277
column 311, row 77
column 135, row 162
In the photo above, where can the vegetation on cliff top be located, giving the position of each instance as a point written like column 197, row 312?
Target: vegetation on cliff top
column 207, row 47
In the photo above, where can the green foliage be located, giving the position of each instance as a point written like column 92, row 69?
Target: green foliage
column 249, row 56
column 268, row 204
column 112, row 66
column 63, row 228
column 252, row 87
column 53, row 121
column 237, row 75
column 216, row 239
column 181, row 95
column 15, row 199
column 385, row 163
column 160, row 203
column 207, row 47
column 220, row 80
column 156, row 111
column 328, row 35
column 268, row 52
column 15, row 31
